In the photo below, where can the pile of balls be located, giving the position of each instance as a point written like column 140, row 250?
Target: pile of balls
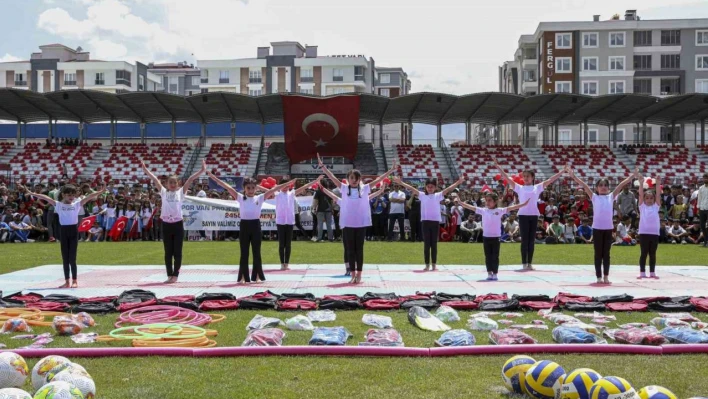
column 545, row 379
column 54, row 377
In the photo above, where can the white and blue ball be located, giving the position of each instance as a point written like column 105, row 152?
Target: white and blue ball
column 541, row 378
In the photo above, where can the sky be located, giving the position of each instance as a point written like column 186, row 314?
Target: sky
column 450, row 46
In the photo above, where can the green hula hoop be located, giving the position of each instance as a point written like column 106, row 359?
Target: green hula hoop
column 201, row 332
column 134, row 329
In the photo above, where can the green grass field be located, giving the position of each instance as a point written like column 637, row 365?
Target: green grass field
column 318, row 377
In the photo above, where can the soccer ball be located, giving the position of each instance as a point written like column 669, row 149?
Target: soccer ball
column 49, row 376
column 612, row 388
column 656, row 392
column 576, row 384
column 43, row 367
column 79, row 379
column 58, row 390
column 14, row 393
column 13, row 370
column 541, row 378
column 513, row 373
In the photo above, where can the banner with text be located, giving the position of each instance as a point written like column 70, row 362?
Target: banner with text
column 234, row 181
column 213, row 214
column 314, row 169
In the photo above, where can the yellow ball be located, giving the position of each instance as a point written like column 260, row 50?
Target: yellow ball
column 13, row 370
column 613, row 388
column 576, row 384
column 541, row 378
column 58, row 390
column 656, row 392
column 513, row 373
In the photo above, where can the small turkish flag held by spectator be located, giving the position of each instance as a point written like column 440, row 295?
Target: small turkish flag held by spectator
column 118, row 227
column 87, row 223
column 485, row 188
column 134, row 229
column 328, row 126
column 149, row 223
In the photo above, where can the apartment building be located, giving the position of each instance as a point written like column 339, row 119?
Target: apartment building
column 58, row 67
column 620, row 55
column 392, row 82
column 179, row 78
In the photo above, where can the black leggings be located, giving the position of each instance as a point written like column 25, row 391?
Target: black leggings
column 527, row 228
column 173, row 240
column 491, row 254
column 703, row 217
column 430, row 241
column 69, row 239
column 250, row 236
column 392, row 219
column 602, row 240
column 648, row 244
column 354, row 238
column 285, row 237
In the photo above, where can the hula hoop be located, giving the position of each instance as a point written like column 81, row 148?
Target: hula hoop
column 117, row 332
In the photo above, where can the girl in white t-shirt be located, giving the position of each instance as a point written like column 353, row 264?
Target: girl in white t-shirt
column 145, row 220
column 528, row 215
column 491, row 230
column 108, row 210
column 250, row 234
column 68, row 210
column 602, row 227
column 354, row 215
column 430, row 215
column 172, row 195
column 649, row 225
column 285, row 216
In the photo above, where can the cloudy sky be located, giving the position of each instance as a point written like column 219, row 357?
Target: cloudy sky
column 450, row 46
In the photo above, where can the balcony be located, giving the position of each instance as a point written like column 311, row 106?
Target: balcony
column 307, row 79
column 124, row 82
column 223, row 80
column 69, row 83
column 359, row 78
column 254, row 80
column 338, row 78
column 100, row 82
column 20, row 83
column 204, row 80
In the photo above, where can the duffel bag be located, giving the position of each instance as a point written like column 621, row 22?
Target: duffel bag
column 68, row 299
column 124, row 307
column 461, row 305
column 381, row 304
column 26, row 298
column 499, row 305
column 531, row 298
column 215, row 296
column 701, row 304
column 671, row 307
column 343, row 297
column 219, row 304
column 585, row 306
column 251, row 303
column 191, row 305
column 94, row 307
column 636, row 306
column 339, row 304
column 293, row 295
column 177, row 298
column 379, row 295
column 563, row 297
column 296, row 304
column 537, row 305
column 423, row 303
column 491, row 297
column 135, row 296
column 652, row 299
column 96, row 299
column 614, row 298
column 443, row 297
column 48, row 306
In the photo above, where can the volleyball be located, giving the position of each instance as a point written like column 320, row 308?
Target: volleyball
column 43, row 367
column 613, row 388
column 541, row 378
column 14, row 393
column 577, row 384
column 656, row 392
column 79, row 379
column 13, row 370
column 58, row 390
column 73, row 367
column 513, row 373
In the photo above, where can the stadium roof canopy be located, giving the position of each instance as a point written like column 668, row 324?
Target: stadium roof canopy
column 91, row 106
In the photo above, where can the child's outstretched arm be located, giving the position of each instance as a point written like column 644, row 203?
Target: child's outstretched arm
column 639, row 177
column 466, row 206
column 93, row 196
column 453, row 185
column 657, row 194
column 308, row 185
column 37, row 195
column 503, row 174
column 152, row 177
column 329, row 174
column 223, row 184
column 193, row 177
column 518, row 206
column 584, row 185
column 623, row 183
column 329, row 194
column 383, row 176
column 414, row 191
column 378, row 193
column 279, row 187
column 555, row 177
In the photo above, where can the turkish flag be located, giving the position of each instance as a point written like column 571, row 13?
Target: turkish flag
column 134, row 229
column 87, row 223
column 328, row 126
column 486, row 189
column 118, row 227
column 149, row 224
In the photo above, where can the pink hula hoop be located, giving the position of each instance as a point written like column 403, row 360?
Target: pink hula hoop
column 163, row 314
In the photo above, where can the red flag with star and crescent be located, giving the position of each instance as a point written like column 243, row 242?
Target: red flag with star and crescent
column 118, row 227
column 87, row 223
column 328, row 126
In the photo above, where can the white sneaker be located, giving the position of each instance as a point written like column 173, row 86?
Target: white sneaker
column 30, row 240
column 202, row 239
column 314, row 239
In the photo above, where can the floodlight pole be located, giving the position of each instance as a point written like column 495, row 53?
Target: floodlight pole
column 644, row 131
column 233, row 132
column 112, row 131
column 173, row 133
column 19, row 132
column 439, row 135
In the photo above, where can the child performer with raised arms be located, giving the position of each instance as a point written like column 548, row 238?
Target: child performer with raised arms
column 250, row 234
column 491, row 230
column 285, row 216
column 354, row 214
column 602, row 227
column 430, row 215
column 649, row 225
column 171, row 215
column 68, row 210
column 528, row 215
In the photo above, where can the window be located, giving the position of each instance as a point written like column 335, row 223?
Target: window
column 592, row 135
column 20, row 79
column 617, row 39
column 254, row 93
column 338, row 75
column 670, row 37
column 223, row 76
column 100, row 79
column 616, row 86
column 123, row 78
column 529, row 75
column 359, row 73
column 563, row 87
column 255, row 76
column 564, row 137
column 563, row 40
column 563, row 64
column 702, row 62
column 384, row 78
column 642, row 86
column 642, row 38
column 590, row 88
column 205, row 76
column 670, row 86
column 666, row 134
column 617, row 63
column 385, row 92
column 196, row 80
column 305, row 90
column 204, row 91
column 141, row 82
column 701, row 85
column 589, row 63
column 336, row 90
column 306, row 75
column 590, row 39
column 173, row 85
column 619, row 135
column 642, row 62
column 70, row 79
column 670, row 61
column 702, row 38
column 530, row 53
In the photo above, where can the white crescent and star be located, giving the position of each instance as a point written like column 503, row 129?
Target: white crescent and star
column 320, row 117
